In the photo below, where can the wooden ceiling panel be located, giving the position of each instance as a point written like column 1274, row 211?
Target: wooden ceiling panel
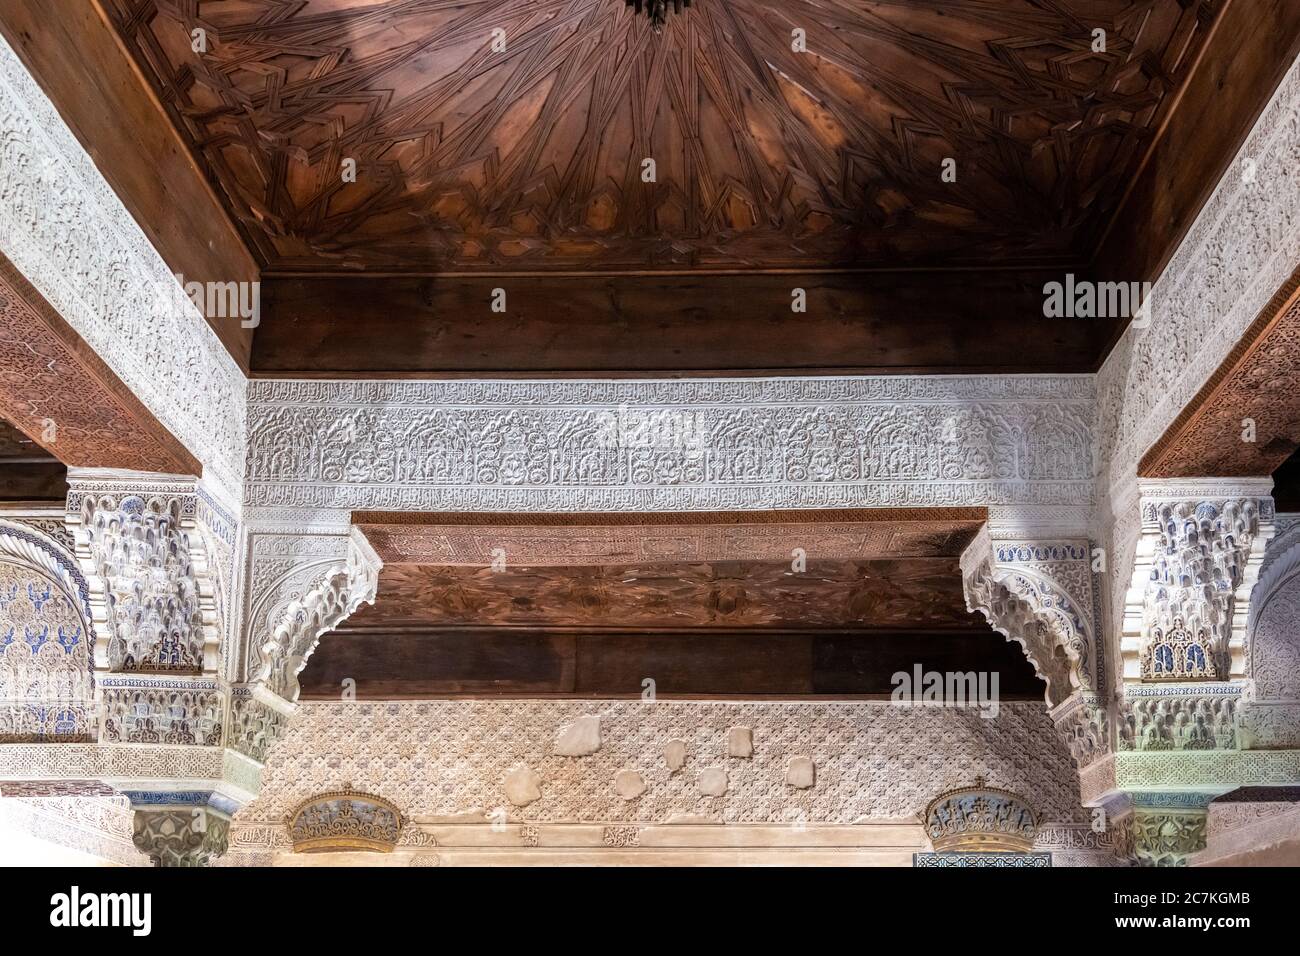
column 475, row 159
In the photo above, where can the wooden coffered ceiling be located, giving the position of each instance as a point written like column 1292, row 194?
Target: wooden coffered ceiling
column 520, row 169
column 470, row 158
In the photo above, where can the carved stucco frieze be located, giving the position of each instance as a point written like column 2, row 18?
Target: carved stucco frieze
column 140, row 710
column 96, row 824
column 1249, row 819
column 723, row 444
column 1169, row 717
column 1200, row 548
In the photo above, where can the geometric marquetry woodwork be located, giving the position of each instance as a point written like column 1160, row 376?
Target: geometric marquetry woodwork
column 471, row 158
column 57, row 391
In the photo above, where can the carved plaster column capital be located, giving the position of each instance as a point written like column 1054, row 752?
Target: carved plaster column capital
column 180, row 832
column 1200, row 548
column 1038, row 593
column 154, row 606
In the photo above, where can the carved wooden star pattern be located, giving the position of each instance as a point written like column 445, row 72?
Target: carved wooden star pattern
column 474, row 159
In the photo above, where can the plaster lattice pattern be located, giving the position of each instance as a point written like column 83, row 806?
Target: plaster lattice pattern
column 875, row 760
column 1187, row 770
column 69, row 234
column 77, row 761
column 46, row 692
column 730, row 445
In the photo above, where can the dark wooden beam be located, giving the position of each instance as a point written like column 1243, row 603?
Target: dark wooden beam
column 33, row 480
column 887, row 322
column 27, row 471
column 751, row 663
column 1286, row 484
column 79, row 62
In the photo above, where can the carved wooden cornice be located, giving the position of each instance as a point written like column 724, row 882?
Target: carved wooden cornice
column 1244, row 420
column 60, row 394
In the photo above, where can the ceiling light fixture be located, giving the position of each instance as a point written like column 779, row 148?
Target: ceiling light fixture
column 657, row 10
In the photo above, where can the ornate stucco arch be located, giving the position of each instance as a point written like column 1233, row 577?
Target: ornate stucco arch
column 46, row 639
column 1270, row 714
